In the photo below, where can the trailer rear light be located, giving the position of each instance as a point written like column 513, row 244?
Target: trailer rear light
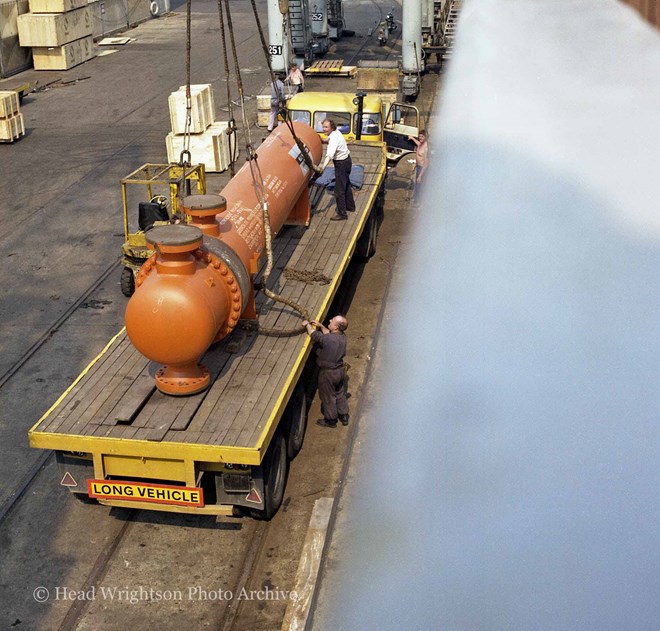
column 78, row 454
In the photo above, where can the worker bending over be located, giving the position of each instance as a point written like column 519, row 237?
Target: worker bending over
column 330, row 344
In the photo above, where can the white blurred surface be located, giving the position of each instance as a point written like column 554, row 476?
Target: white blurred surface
column 507, row 469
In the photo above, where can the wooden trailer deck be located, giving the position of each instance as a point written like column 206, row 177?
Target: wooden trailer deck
column 253, row 374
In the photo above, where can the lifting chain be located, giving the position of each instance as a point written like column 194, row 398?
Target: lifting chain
column 257, row 178
column 185, row 159
column 304, row 151
column 231, row 122
column 188, row 124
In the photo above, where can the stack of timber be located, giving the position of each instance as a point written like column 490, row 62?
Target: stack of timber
column 208, row 139
column 59, row 32
column 380, row 78
column 263, row 107
column 11, row 120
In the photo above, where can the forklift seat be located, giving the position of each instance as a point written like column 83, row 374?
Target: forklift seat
column 149, row 213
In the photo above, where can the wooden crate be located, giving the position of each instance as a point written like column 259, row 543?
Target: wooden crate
column 8, row 103
column 211, row 148
column 263, row 118
column 263, row 100
column 54, row 29
column 387, row 98
column 202, row 112
column 55, row 6
column 378, row 79
column 11, row 128
column 63, row 57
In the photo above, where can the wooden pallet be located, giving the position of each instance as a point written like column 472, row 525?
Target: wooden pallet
column 331, row 68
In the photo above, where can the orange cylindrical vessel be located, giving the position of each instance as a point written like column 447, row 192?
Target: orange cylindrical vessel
column 193, row 291
column 285, row 176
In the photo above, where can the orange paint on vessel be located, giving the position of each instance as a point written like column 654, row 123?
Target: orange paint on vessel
column 198, row 284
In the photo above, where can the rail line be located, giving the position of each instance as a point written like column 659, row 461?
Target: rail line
column 16, row 495
column 102, row 564
column 9, row 373
column 98, row 572
column 43, row 458
column 255, row 548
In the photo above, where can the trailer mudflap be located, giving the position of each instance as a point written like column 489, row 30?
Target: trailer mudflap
column 75, row 469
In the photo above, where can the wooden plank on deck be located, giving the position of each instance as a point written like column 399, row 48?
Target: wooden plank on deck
column 248, row 382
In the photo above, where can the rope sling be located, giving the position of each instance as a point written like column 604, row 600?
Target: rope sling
column 224, row 15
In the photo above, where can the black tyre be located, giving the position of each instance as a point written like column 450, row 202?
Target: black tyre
column 366, row 245
column 275, row 467
column 84, row 498
column 127, row 282
column 295, row 422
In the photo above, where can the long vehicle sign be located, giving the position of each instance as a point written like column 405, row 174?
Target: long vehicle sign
column 138, row 491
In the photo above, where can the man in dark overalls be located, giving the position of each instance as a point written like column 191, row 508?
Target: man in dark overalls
column 330, row 344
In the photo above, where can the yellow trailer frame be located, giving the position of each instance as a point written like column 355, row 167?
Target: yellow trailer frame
column 115, row 450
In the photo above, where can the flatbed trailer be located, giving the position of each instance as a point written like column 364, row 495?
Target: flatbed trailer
column 121, row 441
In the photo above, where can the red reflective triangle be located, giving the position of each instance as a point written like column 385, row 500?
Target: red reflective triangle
column 253, row 496
column 68, row 480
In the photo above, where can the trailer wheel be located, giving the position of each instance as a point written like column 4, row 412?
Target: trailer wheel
column 127, row 282
column 275, row 466
column 366, row 245
column 295, row 422
column 84, row 498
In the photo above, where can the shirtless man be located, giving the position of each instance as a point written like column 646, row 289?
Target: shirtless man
column 421, row 159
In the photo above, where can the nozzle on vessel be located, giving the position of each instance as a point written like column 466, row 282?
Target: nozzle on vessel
column 203, row 209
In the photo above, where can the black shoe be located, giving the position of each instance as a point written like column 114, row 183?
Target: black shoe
column 343, row 419
column 351, row 210
column 339, row 218
column 324, row 422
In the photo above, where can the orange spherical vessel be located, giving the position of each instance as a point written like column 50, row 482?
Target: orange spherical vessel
column 193, row 291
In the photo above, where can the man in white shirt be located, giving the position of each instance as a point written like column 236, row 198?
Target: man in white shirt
column 339, row 154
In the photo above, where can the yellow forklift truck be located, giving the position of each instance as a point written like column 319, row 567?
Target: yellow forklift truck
column 163, row 186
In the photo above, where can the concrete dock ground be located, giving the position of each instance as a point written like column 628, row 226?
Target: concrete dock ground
column 62, row 232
